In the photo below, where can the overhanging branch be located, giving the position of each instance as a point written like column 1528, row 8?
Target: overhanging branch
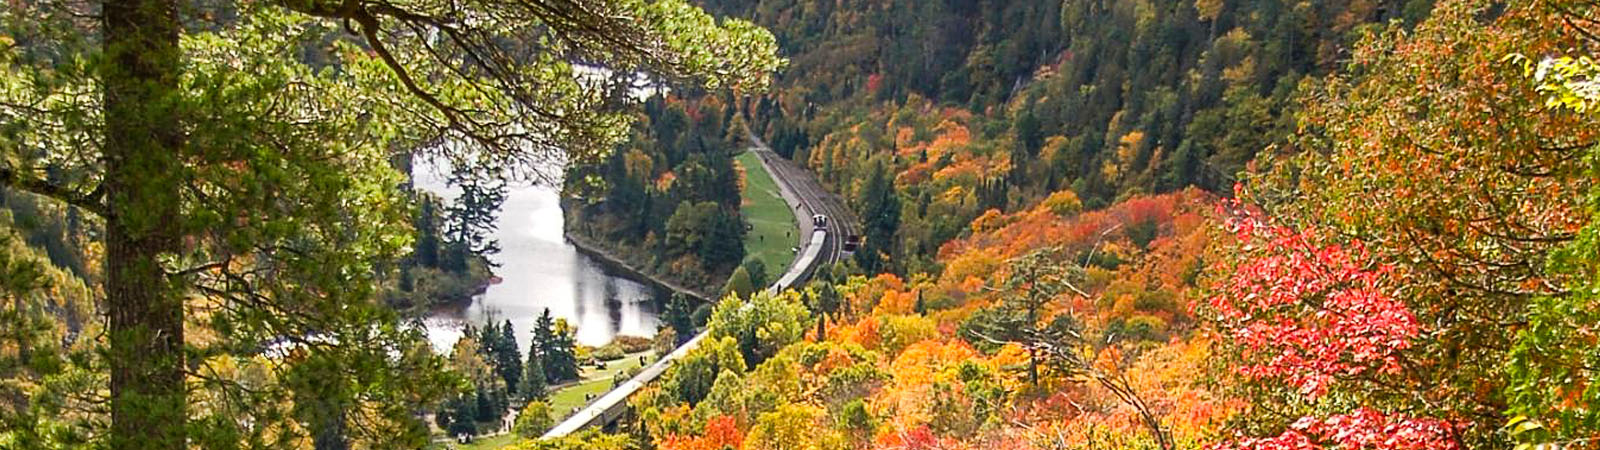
column 11, row 178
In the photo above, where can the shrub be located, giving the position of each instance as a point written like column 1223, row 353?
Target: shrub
column 666, row 340
column 632, row 344
column 609, row 352
column 534, row 420
column 701, row 314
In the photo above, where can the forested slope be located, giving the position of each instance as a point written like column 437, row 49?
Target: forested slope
column 1012, row 100
column 1212, row 224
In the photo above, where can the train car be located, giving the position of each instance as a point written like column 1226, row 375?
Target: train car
column 819, row 221
column 803, row 264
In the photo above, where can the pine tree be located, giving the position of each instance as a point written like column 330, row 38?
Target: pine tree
column 556, row 345
column 483, row 407
column 680, row 315
column 561, row 360
column 880, row 208
column 533, row 381
column 508, row 358
column 462, row 417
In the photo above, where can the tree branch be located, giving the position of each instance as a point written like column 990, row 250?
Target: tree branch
column 11, row 178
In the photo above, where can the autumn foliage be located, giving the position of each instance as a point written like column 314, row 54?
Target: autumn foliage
column 1309, row 313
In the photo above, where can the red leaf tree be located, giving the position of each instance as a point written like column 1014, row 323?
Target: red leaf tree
column 1312, row 315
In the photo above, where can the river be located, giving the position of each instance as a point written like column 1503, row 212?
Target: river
column 540, row 270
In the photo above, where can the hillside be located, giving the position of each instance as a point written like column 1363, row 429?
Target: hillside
column 1086, row 224
column 1229, row 225
column 970, row 105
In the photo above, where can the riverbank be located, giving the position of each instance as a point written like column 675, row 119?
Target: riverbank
column 617, row 264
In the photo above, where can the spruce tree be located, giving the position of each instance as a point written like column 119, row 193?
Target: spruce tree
column 533, row 381
column 508, row 358
column 561, row 360
column 680, row 315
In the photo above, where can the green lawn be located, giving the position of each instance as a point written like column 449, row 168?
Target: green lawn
column 773, row 232
column 563, row 399
column 595, row 381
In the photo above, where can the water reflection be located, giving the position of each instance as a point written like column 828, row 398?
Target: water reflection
column 539, row 270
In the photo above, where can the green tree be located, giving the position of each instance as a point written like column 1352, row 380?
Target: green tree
column 533, row 377
column 1032, row 282
column 534, row 420
column 226, row 164
column 880, row 208
column 761, row 326
column 505, row 356
column 680, row 315
column 463, row 417
column 739, row 284
column 554, row 342
column 758, row 273
column 691, row 379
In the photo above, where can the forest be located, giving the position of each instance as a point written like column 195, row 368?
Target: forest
column 1085, row 224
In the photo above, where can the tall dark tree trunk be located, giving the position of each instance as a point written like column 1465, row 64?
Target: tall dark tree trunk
column 143, row 145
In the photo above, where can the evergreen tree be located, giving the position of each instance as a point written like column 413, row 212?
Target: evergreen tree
column 880, row 209
column 470, row 219
column 561, row 360
column 533, row 381
column 758, row 273
column 463, row 415
column 739, row 284
column 680, row 315
column 426, row 249
column 484, row 410
column 508, row 358
column 556, row 345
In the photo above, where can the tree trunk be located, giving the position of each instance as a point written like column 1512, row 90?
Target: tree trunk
column 143, row 146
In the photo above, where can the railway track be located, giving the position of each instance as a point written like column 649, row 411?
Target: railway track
column 814, row 200
column 808, row 199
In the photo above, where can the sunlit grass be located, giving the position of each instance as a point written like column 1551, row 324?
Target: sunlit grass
column 773, row 231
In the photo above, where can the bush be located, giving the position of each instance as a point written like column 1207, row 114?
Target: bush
column 609, row 352
column 856, row 419
column 666, row 340
column 624, row 376
column 534, row 420
column 701, row 314
column 1149, row 328
column 632, row 344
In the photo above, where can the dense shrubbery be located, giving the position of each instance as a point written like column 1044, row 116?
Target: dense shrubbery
column 608, row 352
column 632, row 344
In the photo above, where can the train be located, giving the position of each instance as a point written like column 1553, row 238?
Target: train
column 613, row 404
column 804, row 264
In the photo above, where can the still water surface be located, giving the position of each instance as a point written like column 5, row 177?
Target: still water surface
column 538, row 270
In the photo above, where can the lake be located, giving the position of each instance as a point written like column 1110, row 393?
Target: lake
column 539, row 270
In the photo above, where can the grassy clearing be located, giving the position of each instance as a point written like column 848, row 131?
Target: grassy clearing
column 595, row 381
column 562, row 399
column 773, row 232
